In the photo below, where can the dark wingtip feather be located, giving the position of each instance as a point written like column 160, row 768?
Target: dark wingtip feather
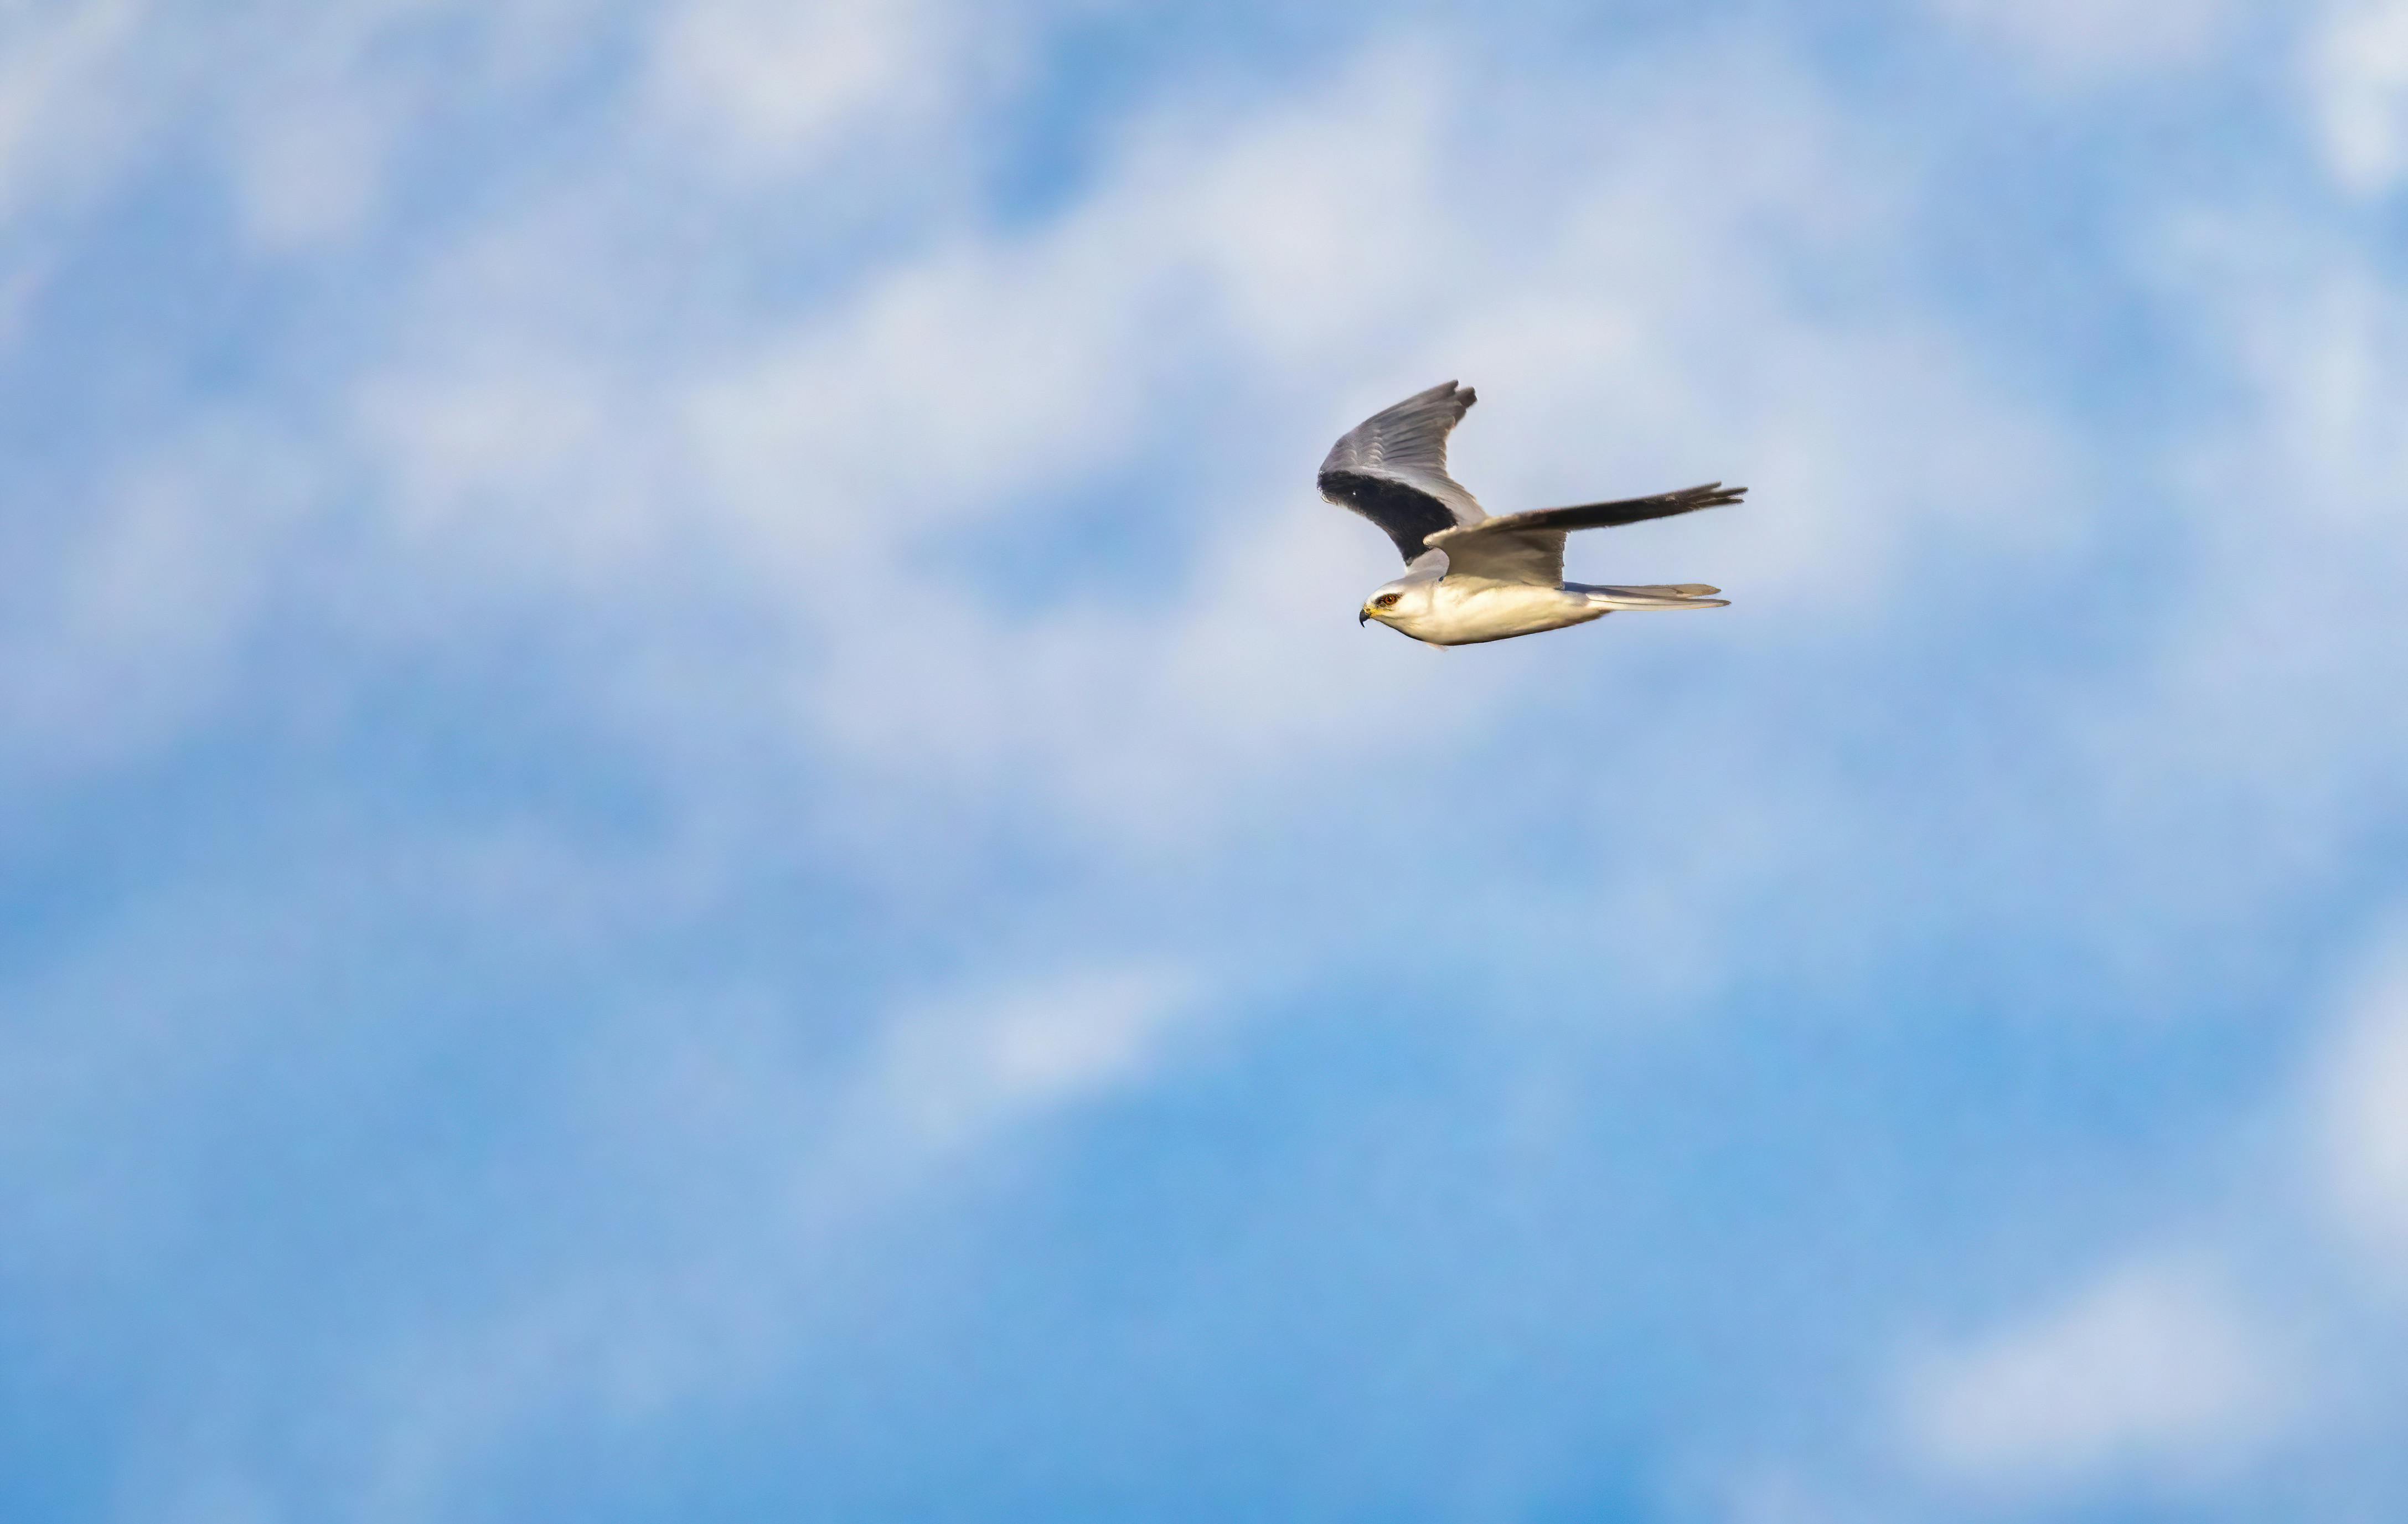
column 1712, row 495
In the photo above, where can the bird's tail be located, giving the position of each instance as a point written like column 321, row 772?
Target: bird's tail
column 1657, row 596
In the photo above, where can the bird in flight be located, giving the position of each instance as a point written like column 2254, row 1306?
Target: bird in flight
column 1468, row 577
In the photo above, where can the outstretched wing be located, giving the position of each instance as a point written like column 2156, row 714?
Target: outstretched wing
column 1529, row 547
column 1391, row 468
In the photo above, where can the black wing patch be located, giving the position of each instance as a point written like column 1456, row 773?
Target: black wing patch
column 1406, row 513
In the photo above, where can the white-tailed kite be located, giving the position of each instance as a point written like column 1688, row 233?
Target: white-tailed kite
column 1468, row 577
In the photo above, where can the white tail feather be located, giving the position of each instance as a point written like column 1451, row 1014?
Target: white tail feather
column 1657, row 596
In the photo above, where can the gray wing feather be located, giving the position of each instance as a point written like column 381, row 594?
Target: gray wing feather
column 1391, row 468
column 1529, row 547
column 1622, row 511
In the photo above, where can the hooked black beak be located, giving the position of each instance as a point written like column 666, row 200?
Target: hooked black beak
column 1362, row 617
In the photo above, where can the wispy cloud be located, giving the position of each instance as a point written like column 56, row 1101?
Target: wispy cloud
column 2358, row 1152
column 2070, row 40
column 2355, row 60
column 2154, row 1371
column 666, row 676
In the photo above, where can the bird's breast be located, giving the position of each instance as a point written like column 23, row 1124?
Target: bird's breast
column 1466, row 612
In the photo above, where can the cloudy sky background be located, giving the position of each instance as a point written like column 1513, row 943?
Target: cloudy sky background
column 691, row 823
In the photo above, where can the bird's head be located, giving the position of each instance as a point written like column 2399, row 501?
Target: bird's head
column 1393, row 601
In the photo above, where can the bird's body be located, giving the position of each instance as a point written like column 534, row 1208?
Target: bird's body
column 1469, row 577
column 1469, row 611
column 1465, row 611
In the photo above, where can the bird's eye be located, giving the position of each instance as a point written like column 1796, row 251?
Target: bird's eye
column 1387, row 600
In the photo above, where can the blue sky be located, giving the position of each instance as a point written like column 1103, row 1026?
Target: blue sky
column 693, row 825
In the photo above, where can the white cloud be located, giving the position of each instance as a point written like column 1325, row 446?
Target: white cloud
column 951, row 1074
column 2360, row 1112
column 2355, row 64
column 131, row 633
column 2253, row 1349
column 1300, row 249
column 2089, row 38
column 300, row 104
column 1239, row 284
column 777, row 85
column 1234, row 281
column 57, row 63
column 2154, row 1372
column 764, row 1187
column 2265, row 687
column 332, row 95
column 691, row 1196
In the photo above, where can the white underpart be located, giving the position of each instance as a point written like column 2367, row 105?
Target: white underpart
column 1464, row 610
column 1456, row 609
